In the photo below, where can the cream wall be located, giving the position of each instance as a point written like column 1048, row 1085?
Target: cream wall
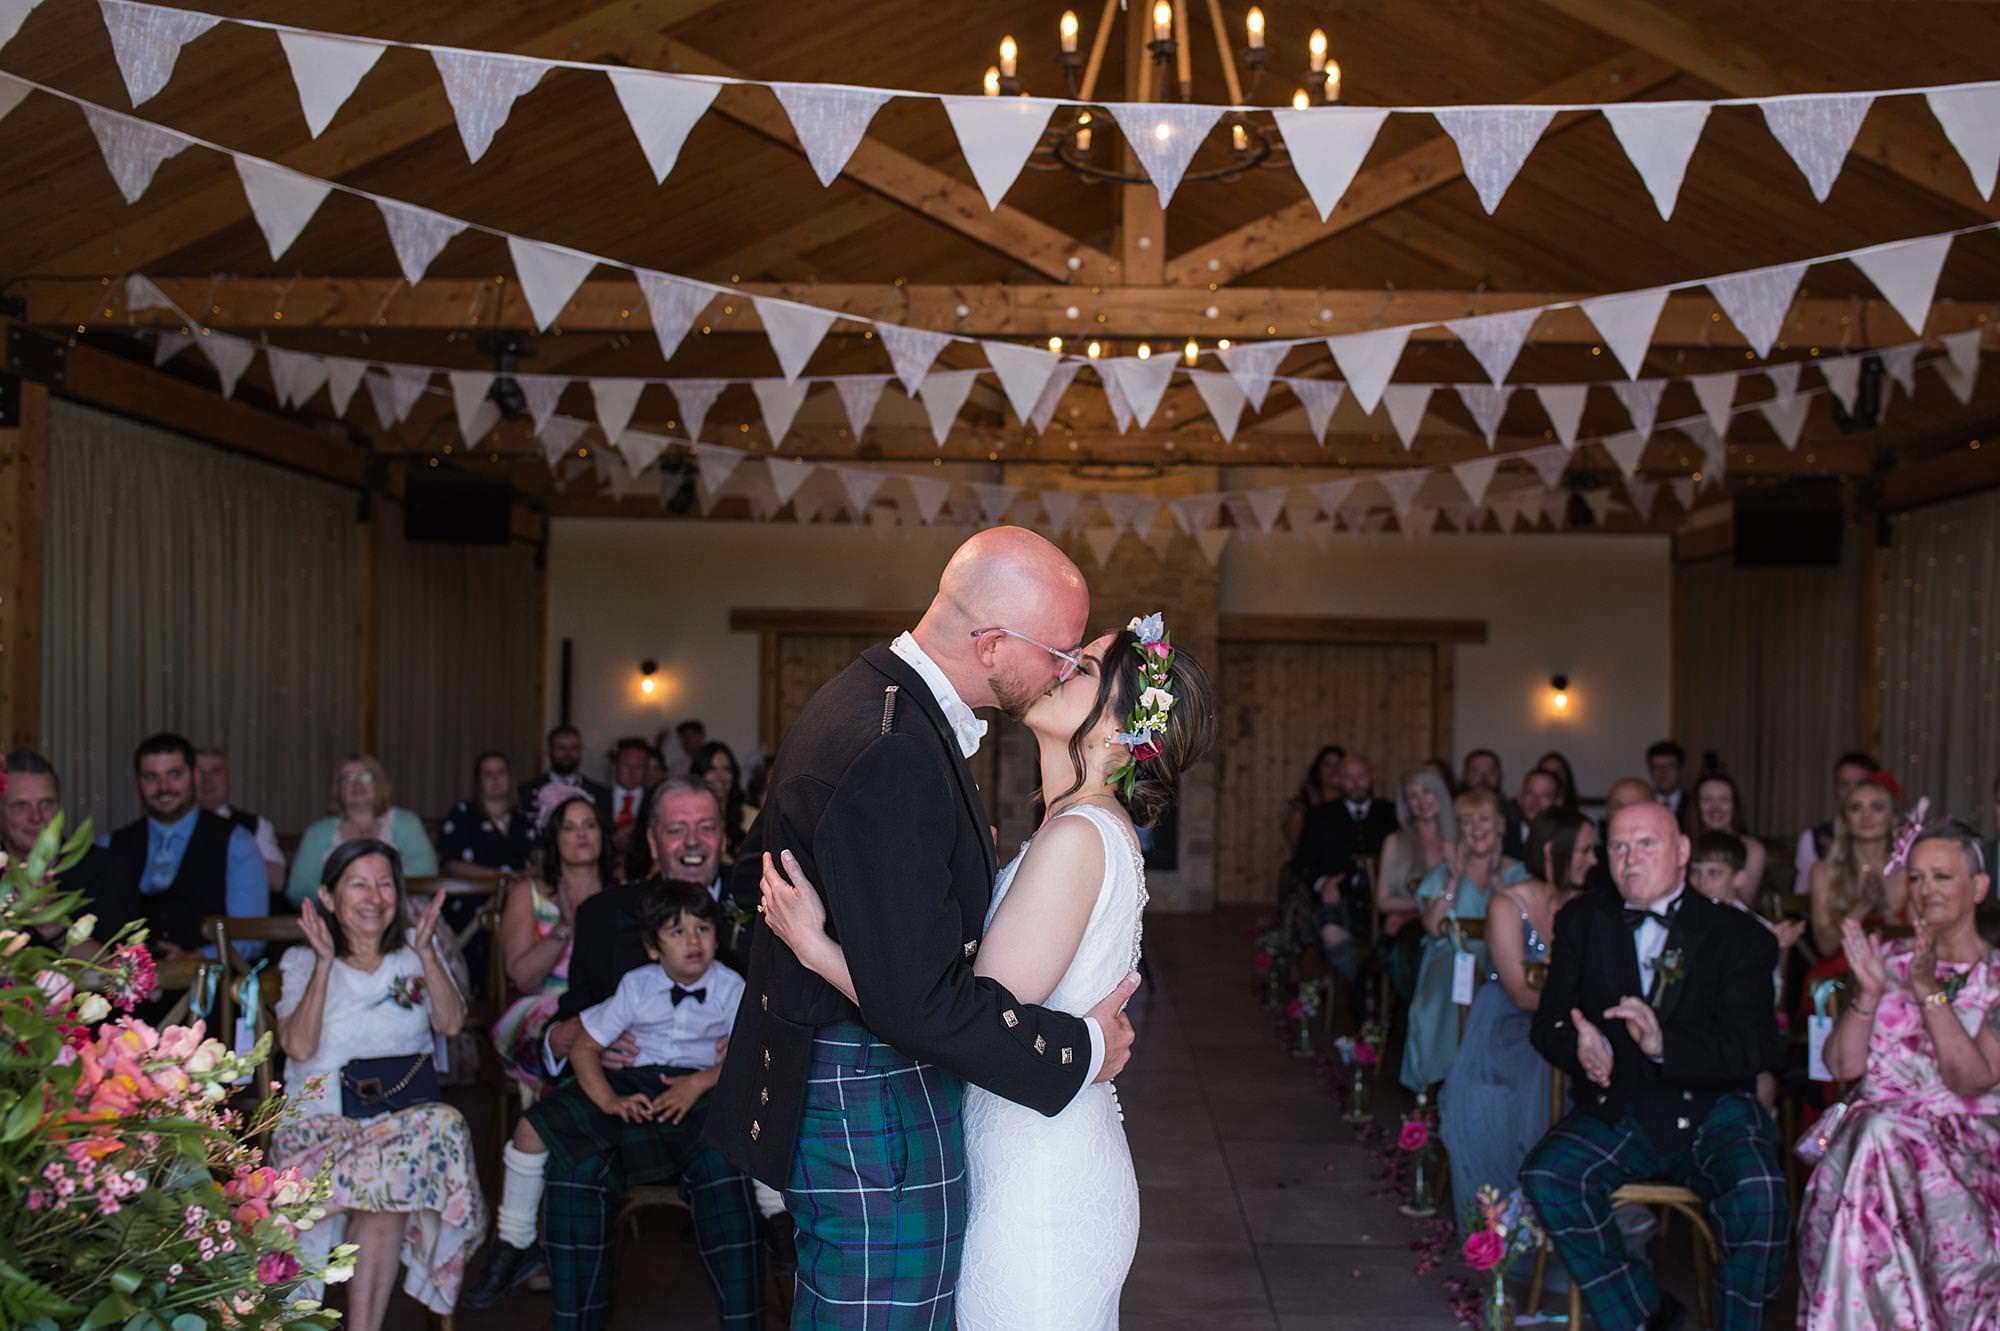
column 1596, row 608
column 1593, row 607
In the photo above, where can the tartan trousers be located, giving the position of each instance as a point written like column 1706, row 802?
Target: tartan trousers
column 594, row 1158
column 877, row 1189
column 1732, row 1162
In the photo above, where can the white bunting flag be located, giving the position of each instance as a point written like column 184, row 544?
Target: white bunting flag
column 1659, row 138
column 1627, row 321
column 418, row 235
column 549, row 274
column 859, row 393
column 1059, row 381
column 1164, row 137
column 393, row 397
column 829, row 121
column 1421, row 520
column 143, row 293
column 133, row 149
column 1564, row 405
column 995, row 500
column 1319, row 397
column 1960, row 373
column 1223, row 397
column 1060, row 506
column 230, row 356
column 343, row 376
column 1023, row 371
column 1907, row 275
column 1506, row 511
column 1549, row 462
column 482, row 89
column 1265, row 506
column 795, row 331
column 1142, row 382
column 1900, row 364
column 1963, row 349
column 1626, row 448
column 1817, row 132
column 559, row 436
column 695, row 397
column 1253, row 364
column 928, row 493
column 282, row 201
column 1714, row 453
column 860, row 484
column 997, row 136
column 1843, row 376
column 1100, row 541
column 912, row 351
column 166, row 346
column 1330, row 495
column 787, row 475
column 1970, row 118
column 1784, row 380
column 1641, row 399
column 1493, row 142
column 297, row 374
column 1495, row 339
column 1757, row 301
column 326, row 70
column 1642, row 493
column 1212, row 541
column 1367, row 360
column 1197, row 513
column 1683, row 492
column 470, row 390
column 1114, row 398
column 12, row 14
column 1406, row 404
column 1600, row 503
column 1717, row 395
column 1161, row 541
column 944, row 393
column 673, row 305
column 661, row 109
column 146, row 40
column 1787, row 416
column 1487, row 405
column 12, row 93
column 541, row 392
column 1327, row 145
column 615, row 401
column 1475, row 474
column 641, row 449
column 780, row 402
column 717, row 465
column 805, row 506
column 1401, row 487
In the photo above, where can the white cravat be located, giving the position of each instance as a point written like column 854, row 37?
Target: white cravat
column 1650, row 939
column 1357, row 811
column 966, row 728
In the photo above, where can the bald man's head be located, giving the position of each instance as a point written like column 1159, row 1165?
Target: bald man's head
column 1648, row 854
column 1005, row 578
column 1626, row 792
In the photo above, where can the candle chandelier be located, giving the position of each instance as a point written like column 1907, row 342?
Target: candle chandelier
column 1074, row 142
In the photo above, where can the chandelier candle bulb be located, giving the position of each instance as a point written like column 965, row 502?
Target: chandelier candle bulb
column 1239, row 139
column 1332, row 81
column 1094, row 350
column 1316, row 50
column 990, row 85
column 1163, row 21
column 1253, row 23
column 1192, row 351
column 1145, row 351
column 1009, row 56
column 1068, row 29
column 1300, row 101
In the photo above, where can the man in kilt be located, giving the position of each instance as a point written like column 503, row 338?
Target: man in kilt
column 1665, row 1084
column 855, row 1112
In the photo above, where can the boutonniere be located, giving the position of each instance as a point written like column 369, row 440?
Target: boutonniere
column 405, row 991
column 1668, row 971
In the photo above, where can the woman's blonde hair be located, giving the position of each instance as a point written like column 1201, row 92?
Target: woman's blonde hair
column 384, row 792
column 1846, row 889
column 1475, row 798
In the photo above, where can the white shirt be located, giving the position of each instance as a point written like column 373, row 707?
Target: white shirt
column 266, row 837
column 1670, row 798
column 1650, row 939
column 966, row 728
column 669, row 1034
column 1358, row 811
column 619, row 807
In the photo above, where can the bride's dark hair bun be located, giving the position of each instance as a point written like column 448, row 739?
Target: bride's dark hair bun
column 1189, row 734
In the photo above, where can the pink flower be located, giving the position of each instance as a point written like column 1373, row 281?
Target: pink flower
column 1416, row 1135
column 1484, row 1249
column 1160, row 649
column 1364, row 1053
column 1262, row 960
column 1145, row 753
column 275, row 1268
column 37, row 1199
column 179, row 1042
column 1295, row 1009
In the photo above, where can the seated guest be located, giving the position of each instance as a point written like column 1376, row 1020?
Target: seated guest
column 1715, row 869
column 1538, row 795
column 1554, row 761
column 692, row 832
column 538, row 923
column 1320, row 784
column 1426, row 831
column 1718, row 807
column 628, row 790
column 212, row 782
column 1495, row 1105
column 1658, row 1006
column 1624, row 793
column 1458, row 889
column 1335, row 831
column 565, row 757
column 179, row 864
column 646, row 1116
column 1901, row 1222
column 690, row 734
column 715, row 767
column 362, row 808
column 32, row 799
column 489, row 834
column 1853, row 882
column 1481, row 771
column 365, row 1002
column 1816, row 842
column 656, row 766
column 1664, row 761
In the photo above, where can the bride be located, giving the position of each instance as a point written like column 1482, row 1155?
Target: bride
column 1054, row 1206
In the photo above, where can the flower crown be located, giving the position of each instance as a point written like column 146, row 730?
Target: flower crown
column 1906, row 836
column 1148, row 720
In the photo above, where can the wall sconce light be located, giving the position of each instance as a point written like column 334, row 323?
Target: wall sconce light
column 648, row 668
column 1559, row 692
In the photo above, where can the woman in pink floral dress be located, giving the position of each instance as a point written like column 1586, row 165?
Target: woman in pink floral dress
column 1902, row 1218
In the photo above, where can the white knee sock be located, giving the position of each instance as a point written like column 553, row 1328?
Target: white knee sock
column 521, row 1196
column 769, row 1203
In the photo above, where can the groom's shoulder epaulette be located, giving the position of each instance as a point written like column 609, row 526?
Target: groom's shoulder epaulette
column 889, row 694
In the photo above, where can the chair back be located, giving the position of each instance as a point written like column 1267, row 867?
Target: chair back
column 225, row 932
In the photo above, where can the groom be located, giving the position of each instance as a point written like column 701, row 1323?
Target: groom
column 855, row 1114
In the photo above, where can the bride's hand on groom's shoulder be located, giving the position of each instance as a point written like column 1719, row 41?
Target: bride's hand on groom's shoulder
column 1109, row 1014
column 791, row 905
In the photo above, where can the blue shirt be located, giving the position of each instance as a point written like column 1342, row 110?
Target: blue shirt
column 247, row 892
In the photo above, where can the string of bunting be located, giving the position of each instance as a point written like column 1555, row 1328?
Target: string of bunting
column 998, row 134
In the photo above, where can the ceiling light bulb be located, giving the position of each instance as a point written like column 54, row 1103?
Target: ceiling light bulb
column 1068, row 30
column 1192, row 351
column 1163, row 131
column 1094, row 350
column 990, row 85
column 1163, row 21
column 1333, row 80
column 1255, row 23
column 1055, row 344
column 1316, row 48
column 1145, row 352
column 1300, row 101
column 1009, row 53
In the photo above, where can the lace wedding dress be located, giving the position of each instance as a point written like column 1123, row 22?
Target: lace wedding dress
column 1054, row 1206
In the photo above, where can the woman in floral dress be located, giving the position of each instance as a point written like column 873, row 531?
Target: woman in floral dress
column 535, row 928
column 1901, row 1226
column 370, row 987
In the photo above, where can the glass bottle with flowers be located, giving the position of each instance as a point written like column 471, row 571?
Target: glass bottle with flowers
column 1304, row 1011
column 1361, row 1054
column 1497, row 1230
column 1417, row 1139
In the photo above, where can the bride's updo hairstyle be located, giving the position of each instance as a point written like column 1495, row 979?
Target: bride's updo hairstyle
column 1188, row 735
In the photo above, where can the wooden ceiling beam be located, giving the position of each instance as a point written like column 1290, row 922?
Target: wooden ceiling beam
column 1164, row 315
column 1900, row 139
column 1430, row 165
column 917, row 186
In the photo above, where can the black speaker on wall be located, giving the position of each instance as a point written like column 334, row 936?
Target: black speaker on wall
column 457, row 510
column 1794, row 525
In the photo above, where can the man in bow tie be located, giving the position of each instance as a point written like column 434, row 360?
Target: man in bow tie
column 1658, row 1006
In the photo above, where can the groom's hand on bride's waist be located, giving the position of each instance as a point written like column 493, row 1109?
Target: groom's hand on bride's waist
column 1116, row 1027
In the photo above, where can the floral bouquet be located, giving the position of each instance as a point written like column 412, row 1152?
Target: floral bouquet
column 1272, row 958
column 134, row 1198
column 1362, row 1054
column 1417, row 1139
column 1303, row 1009
column 1497, row 1230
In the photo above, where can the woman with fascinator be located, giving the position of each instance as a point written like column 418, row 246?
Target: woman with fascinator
column 1053, row 1204
column 536, row 925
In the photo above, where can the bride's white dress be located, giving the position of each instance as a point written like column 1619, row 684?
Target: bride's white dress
column 1054, row 1205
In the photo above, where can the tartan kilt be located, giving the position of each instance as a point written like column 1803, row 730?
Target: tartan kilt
column 877, row 1188
column 576, row 1132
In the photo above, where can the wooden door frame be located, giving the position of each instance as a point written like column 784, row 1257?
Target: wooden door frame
column 1442, row 635
column 771, row 624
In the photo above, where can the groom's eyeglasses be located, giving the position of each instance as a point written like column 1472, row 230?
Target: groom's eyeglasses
column 1070, row 663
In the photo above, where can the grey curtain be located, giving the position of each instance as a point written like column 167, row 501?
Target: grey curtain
column 192, row 590
column 1765, row 676
column 1941, row 654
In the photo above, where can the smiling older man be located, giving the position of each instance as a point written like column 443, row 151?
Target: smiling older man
column 1658, row 1006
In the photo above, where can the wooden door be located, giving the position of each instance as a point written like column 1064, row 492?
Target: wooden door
column 1280, row 702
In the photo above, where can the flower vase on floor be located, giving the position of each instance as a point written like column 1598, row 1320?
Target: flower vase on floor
column 1303, row 1048
column 1415, row 1139
column 1357, row 1096
column 1421, row 1201
column 1497, row 1313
